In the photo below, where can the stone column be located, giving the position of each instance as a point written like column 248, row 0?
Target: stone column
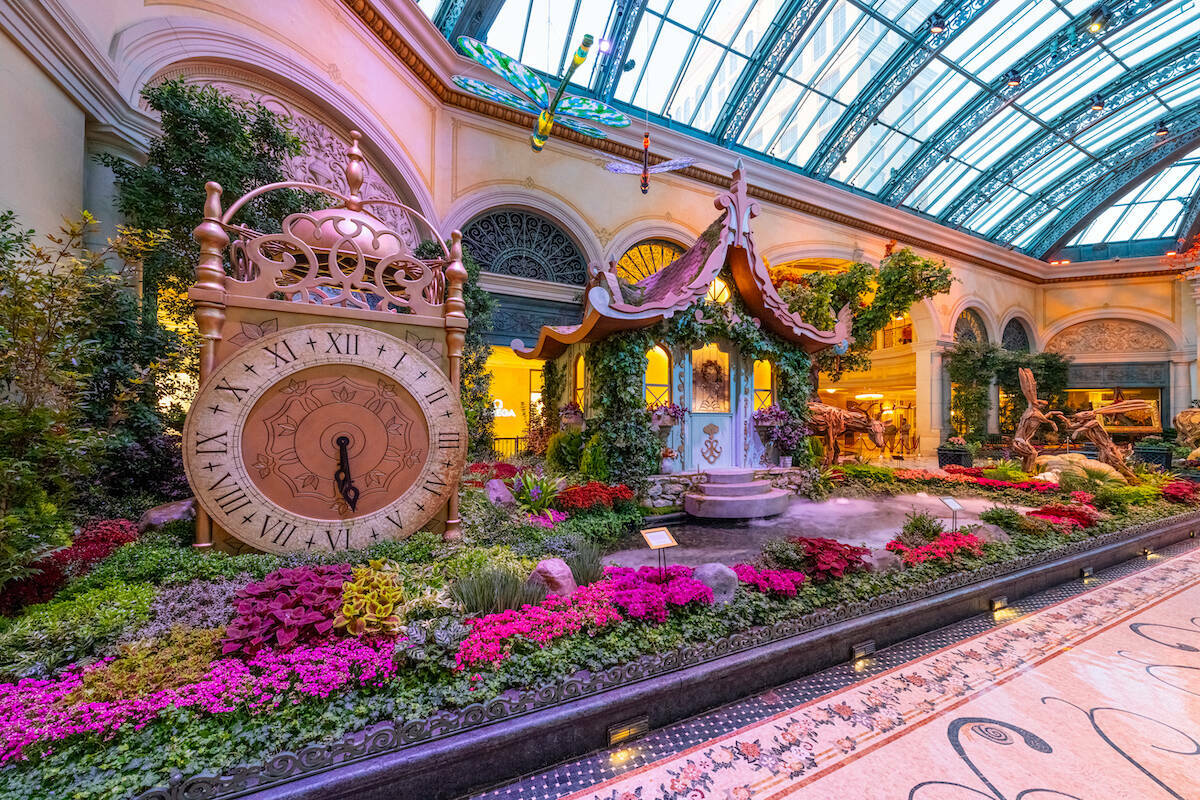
column 99, row 185
column 993, row 419
column 932, row 401
column 1181, row 388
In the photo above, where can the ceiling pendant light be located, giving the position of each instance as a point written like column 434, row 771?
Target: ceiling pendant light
column 937, row 23
column 1097, row 19
column 1097, row 102
column 1012, row 78
column 1161, row 130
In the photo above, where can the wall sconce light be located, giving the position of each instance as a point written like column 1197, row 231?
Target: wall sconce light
column 998, row 603
column 862, row 650
column 1086, row 572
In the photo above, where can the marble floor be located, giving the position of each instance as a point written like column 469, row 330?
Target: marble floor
column 1086, row 691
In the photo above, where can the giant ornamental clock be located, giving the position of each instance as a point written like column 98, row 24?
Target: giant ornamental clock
column 328, row 415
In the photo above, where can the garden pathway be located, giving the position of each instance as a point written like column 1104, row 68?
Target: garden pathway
column 1083, row 691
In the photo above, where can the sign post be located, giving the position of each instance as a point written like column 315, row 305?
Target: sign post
column 955, row 507
column 659, row 539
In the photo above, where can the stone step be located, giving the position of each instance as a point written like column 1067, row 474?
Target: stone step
column 729, row 475
column 767, row 504
column 734, row 489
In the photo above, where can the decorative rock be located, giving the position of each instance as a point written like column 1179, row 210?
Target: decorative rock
column 175, row 511
column 881, row 560
column 557, row 576
column 988, row 532
column 721, row 579
column 498, row 493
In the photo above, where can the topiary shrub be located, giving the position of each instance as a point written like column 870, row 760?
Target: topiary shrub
column 564, row 451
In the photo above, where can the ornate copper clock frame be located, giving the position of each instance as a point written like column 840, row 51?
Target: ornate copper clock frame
column 328, row 415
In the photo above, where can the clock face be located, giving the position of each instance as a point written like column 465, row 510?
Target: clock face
column 324, row 437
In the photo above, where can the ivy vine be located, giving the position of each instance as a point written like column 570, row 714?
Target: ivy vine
column 972, row 366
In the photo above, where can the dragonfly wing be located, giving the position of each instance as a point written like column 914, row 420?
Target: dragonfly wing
column 579, row 127
column 674, row 163
column 520, row 76
column 489, row 92
column 624, row 168
column 589, row 109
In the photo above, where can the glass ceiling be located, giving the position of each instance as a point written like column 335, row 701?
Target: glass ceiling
column 1012, row 119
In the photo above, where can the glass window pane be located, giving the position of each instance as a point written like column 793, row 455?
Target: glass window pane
column 710, row 380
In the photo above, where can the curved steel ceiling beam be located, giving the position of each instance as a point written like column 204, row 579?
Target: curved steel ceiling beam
column 1067, row 43
column 1094, row 188
column 622, row 24
column 787, row 29
column 1150, row 77
column 1189, row 228
column 913, row 56
column 472, row 18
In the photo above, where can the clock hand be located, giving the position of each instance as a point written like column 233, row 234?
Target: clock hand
column 341, row 477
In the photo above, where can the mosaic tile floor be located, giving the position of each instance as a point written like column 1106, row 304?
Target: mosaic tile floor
column 954, row 713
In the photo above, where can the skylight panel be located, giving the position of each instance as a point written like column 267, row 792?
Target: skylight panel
column 1060, row 161
column 771, row 114
column 1071, row 84
column 1155, row 33
column 1011, row 126
column 1100, row 227
column 659, row 48
column 1026, row 236
column 542, row 34
column 991, row 214
column 428, row 7
column 1116, row 125
column 1163, row 221
column 1127, row 226
column 907, row 14
column 1182, row 92
column 1004, row 34
column 950, row 184
column 823, row 121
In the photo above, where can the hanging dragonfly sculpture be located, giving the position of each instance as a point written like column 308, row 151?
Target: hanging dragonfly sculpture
column 537, row 98
column 623, row 166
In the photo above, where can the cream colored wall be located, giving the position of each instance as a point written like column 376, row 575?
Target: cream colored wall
column 41, row 144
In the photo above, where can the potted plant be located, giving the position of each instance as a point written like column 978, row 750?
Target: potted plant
column 954, row 450
column 667, row 460
column 787, row 433
column 571, row 416
column 766, row 420
column 667, row 415
column 1153, row 450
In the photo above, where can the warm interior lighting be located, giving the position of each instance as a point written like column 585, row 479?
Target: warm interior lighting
column 937, row 24
column 868, row 396
column 1097, row 103
column 718, row 292
column 1161, row 130
column 829, row 391
column 1097, row 19
column 1172, row 252
column 1012, row 78
column 999, row 603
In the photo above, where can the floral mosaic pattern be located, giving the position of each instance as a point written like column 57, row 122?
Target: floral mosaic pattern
column 803, row 743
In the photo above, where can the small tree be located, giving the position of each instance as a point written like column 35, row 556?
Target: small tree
column 875, row 295
column 206, row 136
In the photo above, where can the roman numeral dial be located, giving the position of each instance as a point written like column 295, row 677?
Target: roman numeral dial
column 325, row 437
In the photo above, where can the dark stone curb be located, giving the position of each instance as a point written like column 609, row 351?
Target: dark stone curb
column 456, row 764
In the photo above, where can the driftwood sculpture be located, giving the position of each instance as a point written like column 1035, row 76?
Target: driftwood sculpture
column 1085, row 424
column 1033, row 418
column 832, row 422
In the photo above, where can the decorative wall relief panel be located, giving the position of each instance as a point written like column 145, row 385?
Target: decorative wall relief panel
column 512, row 241
column 1109, row 336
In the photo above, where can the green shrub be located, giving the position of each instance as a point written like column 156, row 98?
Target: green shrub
column 1003, row 517
column 920, row 528
column 471, row 560
column 494, row 589
column 1006, row 470
column 181, row 657
column 1086, row 478
column 602, row 526
column 52, row 635
column 564, row 452
column 594, row 462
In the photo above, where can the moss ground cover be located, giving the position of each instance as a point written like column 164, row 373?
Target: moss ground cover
column 106, row 698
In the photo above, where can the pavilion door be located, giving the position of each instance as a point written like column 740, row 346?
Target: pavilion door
column 711, row 439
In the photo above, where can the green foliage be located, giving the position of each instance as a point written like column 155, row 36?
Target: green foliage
column 381, row 596
column 601, row 526
column 564, row 452
column 1050, row 372
column 475, row 382
column 875, row 296
column 593, row 462
column 493, row 589
column 181, row 657
column 1082, row 477
column 920, row 528
column 206, row 136
column 1006, row 470
column 970, row 366
column 535, row 492
column 586, row 566
column 622, row 433
column 51, row 635
column 1003, row 517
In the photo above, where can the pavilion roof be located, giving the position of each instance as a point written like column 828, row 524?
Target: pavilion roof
column 611, row 305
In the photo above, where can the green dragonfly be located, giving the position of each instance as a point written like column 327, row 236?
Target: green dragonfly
column 537, row 98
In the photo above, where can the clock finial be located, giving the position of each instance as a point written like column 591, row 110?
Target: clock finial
column 355, row 172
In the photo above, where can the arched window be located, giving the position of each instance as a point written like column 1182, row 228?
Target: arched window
column 764, row 384
column 646, row 258
column 512, row 241
column 658, row 376
column 1015, row 337
column 969, row 327
column 577, row 380
column 718, row 292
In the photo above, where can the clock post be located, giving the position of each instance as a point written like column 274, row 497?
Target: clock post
column 328, row 415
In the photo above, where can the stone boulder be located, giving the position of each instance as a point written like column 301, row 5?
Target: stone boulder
column 498, row 493
column 987, row 532
column 721, row 579
column 159, row 516
column 557, row 576
column 882, row 560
